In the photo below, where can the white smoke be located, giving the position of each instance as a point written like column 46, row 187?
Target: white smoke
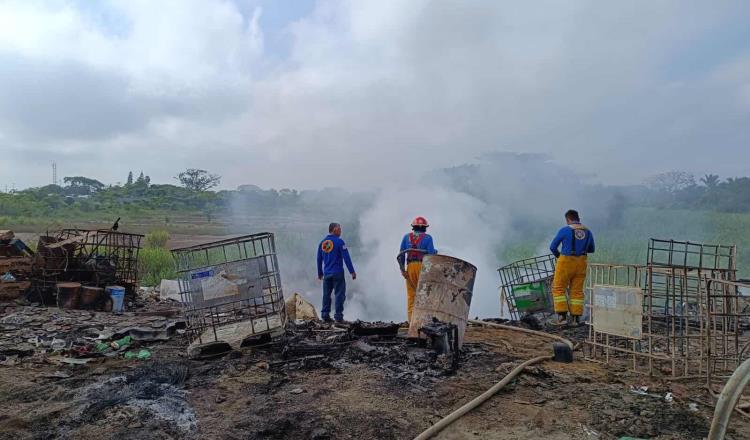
column 459, row 228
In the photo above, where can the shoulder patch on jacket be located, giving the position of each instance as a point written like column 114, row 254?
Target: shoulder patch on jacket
column 326, row 246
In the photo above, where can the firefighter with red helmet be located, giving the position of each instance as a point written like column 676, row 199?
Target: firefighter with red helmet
column 414, row 246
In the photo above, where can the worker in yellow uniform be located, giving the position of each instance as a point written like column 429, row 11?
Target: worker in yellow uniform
column 414, row 246
column 570, row 271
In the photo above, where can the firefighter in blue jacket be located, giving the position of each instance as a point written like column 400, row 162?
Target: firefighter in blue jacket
column 332, row 254
column 570, row 271
column 414, row 246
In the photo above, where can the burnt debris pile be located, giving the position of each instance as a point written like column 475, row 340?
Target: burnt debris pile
column 15, row 266
column 315, row 344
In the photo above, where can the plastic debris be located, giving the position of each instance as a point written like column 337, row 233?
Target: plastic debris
column 141, row 355
column 122, row 342
column 8, row 277
column 642, row 390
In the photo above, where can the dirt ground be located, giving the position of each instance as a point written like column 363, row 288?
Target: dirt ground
column 243, row 395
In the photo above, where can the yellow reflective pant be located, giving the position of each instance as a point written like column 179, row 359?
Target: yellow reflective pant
column 412, row 279
column 570, row 273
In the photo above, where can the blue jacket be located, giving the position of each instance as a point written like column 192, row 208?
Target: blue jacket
column 574, row 232
column 425, row 244
column 332, row 254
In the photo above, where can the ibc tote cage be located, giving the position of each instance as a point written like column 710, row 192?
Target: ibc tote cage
column 695, row 321
column 526, row 286
column 231, row 287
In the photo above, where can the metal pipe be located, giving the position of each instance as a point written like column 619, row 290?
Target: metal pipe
column 728, row 400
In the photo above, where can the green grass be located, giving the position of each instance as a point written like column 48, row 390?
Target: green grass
column 157, row 238
column 628, row 242
column 155, row 261
column 155, row 264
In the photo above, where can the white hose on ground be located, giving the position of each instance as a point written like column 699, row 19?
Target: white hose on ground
column 728, row 400
column 524, row 330
column 457, row 414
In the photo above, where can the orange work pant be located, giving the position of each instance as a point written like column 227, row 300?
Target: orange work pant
column 412, row 279
column 570, row 273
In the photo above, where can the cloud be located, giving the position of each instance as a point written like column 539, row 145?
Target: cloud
column 370, row 91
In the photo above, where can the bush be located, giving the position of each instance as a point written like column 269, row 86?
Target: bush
column 157, row 238
column 155, row 264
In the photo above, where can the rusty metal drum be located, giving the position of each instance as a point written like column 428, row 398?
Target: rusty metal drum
column 91, row 297
column 68, row 295
column 444, row 292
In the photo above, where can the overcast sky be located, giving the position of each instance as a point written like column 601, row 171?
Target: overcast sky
column 306, row 94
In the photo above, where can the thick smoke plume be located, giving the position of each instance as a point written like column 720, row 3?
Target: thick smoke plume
column 477, row 212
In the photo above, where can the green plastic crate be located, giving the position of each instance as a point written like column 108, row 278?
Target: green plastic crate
column 531, row 297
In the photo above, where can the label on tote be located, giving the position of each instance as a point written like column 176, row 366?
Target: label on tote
column 617, row 310
column 202, row 274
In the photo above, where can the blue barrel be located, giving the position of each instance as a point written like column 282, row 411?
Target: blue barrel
column 118, row 298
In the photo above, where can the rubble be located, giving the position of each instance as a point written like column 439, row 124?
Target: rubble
column 29, row 332
column 15, row 266
column 316, row 345
column 297, row 308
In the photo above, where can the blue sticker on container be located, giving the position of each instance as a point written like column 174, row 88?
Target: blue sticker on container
column 203, row 274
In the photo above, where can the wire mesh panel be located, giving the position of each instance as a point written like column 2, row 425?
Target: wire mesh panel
column 526, row 285
column 231, row 289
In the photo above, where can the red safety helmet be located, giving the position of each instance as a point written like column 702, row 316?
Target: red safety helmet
column 420, row 221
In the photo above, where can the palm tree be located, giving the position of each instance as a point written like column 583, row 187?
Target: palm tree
column 710, row 180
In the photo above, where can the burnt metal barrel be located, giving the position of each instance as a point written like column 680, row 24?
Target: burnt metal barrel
column 68, row 295
column 444, row 292
column 91, row 297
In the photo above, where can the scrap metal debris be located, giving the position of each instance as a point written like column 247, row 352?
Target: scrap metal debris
column 83, row 262
column 15, row 266
column 315, row 345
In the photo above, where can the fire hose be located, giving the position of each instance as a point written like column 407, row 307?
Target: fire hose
column 460, row 412
column 728, row 400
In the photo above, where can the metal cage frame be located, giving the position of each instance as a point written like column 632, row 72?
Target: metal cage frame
column 93, row 257
column 539, row 269
column 680, row 331
column 259, row 314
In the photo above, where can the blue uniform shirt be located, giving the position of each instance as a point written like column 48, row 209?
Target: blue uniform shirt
column 425, row 244
column 332, row 254
column 583, row 237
